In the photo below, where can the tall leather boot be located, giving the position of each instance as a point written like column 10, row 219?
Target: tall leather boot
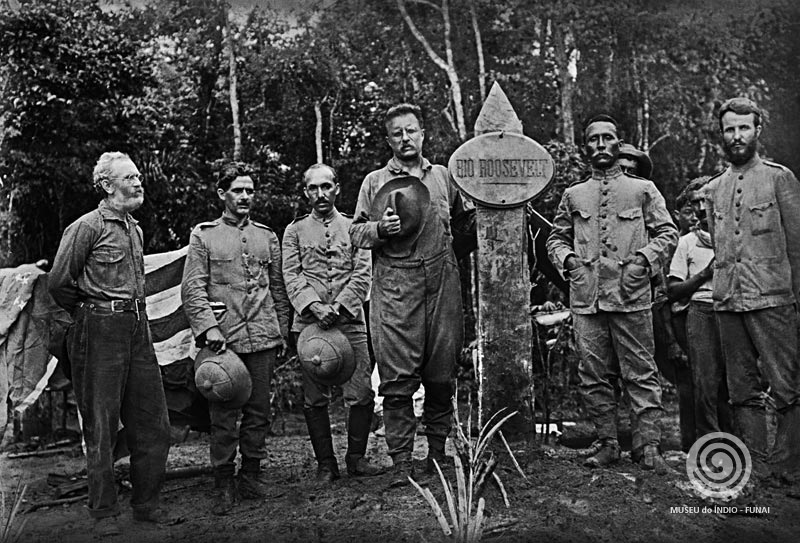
column 785, row 458
column 224, row 492
column 359, row 423
column 751, row 427
column 319, row 430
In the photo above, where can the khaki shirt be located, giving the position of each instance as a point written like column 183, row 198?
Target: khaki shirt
column 100, row 257
column 605, row 222
column 446, row 204
column 321, row 265
column 239, row 267
column 756, row 236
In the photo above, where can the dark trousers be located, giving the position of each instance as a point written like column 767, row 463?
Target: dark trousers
column 761, row 346
column 251, row 439
column 712, row 412
column 116, row 377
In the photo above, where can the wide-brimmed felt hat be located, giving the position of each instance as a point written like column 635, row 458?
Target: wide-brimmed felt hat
column 326, row 355
column 641, row 158
column 410, row 200
column 222, row 378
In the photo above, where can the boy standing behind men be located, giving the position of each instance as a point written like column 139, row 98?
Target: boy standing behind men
column 690, row 276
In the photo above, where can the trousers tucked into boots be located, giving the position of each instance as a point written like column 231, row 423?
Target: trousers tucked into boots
column 319, row 430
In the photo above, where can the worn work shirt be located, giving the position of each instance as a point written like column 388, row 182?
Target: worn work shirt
column 320, row 264
column 690, row 258
column 446, row 204
column 100, row 257
column 605, row 222
column 238, row 266
column 756, row 236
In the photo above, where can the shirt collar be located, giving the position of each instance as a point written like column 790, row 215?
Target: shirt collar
column 324, row 220
column 230, row 220
column 749, row 165
column 396, row 168
column 109, row 213
column 610, row 173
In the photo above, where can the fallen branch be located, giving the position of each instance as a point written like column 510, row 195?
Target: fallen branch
column 46, row 452
column 50, row 503
column 190, row 471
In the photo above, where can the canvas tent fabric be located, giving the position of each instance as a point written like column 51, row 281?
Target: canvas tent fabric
column 32, row 326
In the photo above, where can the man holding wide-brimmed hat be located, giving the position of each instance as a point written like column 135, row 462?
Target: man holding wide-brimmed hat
column 327, row 279
column 404, row 214
column 234, row 297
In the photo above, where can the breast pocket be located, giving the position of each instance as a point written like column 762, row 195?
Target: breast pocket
column 631, row 233
column 222, row 270
column 582, row 226
column 110, row 264
column 763, row 218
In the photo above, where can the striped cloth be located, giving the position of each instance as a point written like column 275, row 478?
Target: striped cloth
column 172, row 337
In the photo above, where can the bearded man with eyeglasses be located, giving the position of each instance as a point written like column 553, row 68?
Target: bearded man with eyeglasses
column 98, row 277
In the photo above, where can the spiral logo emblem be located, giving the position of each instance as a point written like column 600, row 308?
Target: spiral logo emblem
column 719, row 465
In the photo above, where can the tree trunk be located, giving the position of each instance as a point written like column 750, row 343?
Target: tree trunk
column 318, row 129
column 473, row 12
column 234, row 98
column 447, row 66
column 563, row 54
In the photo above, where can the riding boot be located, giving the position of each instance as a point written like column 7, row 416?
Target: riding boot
column 319, row 430
column 358, row 425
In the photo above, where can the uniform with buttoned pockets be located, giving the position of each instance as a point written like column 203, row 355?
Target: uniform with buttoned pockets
column 604, row 222
column 320, row 264
column 239, row 267
column 754, row 215
column 115, row 374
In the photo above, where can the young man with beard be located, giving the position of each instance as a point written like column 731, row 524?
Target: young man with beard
column 690, row 276
column 416, row 317
column 327, row 280
column 236, row 262
column 611, row 233
column 98, row 277
column 754, row 207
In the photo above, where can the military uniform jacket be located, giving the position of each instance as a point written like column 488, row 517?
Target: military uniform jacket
column 320, row 264
column 754, row 213
column 605, row 222
column 238, row 266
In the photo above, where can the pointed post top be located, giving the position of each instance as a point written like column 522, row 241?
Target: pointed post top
column 497, row 114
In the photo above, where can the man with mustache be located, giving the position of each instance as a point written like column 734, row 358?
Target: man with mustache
column 235, row 263
column 754, row 211
column 327, row 280
column 98, row 277
column 416, row 317
column 611, row 233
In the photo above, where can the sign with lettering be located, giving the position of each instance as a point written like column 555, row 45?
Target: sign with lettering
column 501, row 169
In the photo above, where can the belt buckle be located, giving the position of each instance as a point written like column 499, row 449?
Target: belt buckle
column 115, row 304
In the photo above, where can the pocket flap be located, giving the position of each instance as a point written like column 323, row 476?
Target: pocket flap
column 762, row 206
column 585, row 215
column 108, row 255
column 631, row 213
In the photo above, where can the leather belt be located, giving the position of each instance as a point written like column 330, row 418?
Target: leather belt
column 117, row 306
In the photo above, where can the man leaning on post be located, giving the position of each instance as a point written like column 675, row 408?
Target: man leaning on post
column 98, row 277
column 611, row 233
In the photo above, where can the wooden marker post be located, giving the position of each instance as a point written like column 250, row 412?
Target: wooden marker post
column 501, row 170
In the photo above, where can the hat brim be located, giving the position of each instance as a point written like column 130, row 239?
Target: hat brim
column 410, row 200
column 641, row 158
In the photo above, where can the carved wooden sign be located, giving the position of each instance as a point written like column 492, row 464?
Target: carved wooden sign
column 501, row 169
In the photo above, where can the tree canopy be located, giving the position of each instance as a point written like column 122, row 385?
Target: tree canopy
column 79, row 77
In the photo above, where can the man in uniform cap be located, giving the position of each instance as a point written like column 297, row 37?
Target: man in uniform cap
column 98, row 277
column 754, row 218
column 611, row 233
column 327, row 280
column 416, row 317
column 234, row 297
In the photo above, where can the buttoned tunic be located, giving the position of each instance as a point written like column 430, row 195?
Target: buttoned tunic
column 240, row 267
column 756, row 235
column 605, row 222
column 320, row 264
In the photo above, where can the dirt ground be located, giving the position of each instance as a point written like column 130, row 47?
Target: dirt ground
column 560, row 501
